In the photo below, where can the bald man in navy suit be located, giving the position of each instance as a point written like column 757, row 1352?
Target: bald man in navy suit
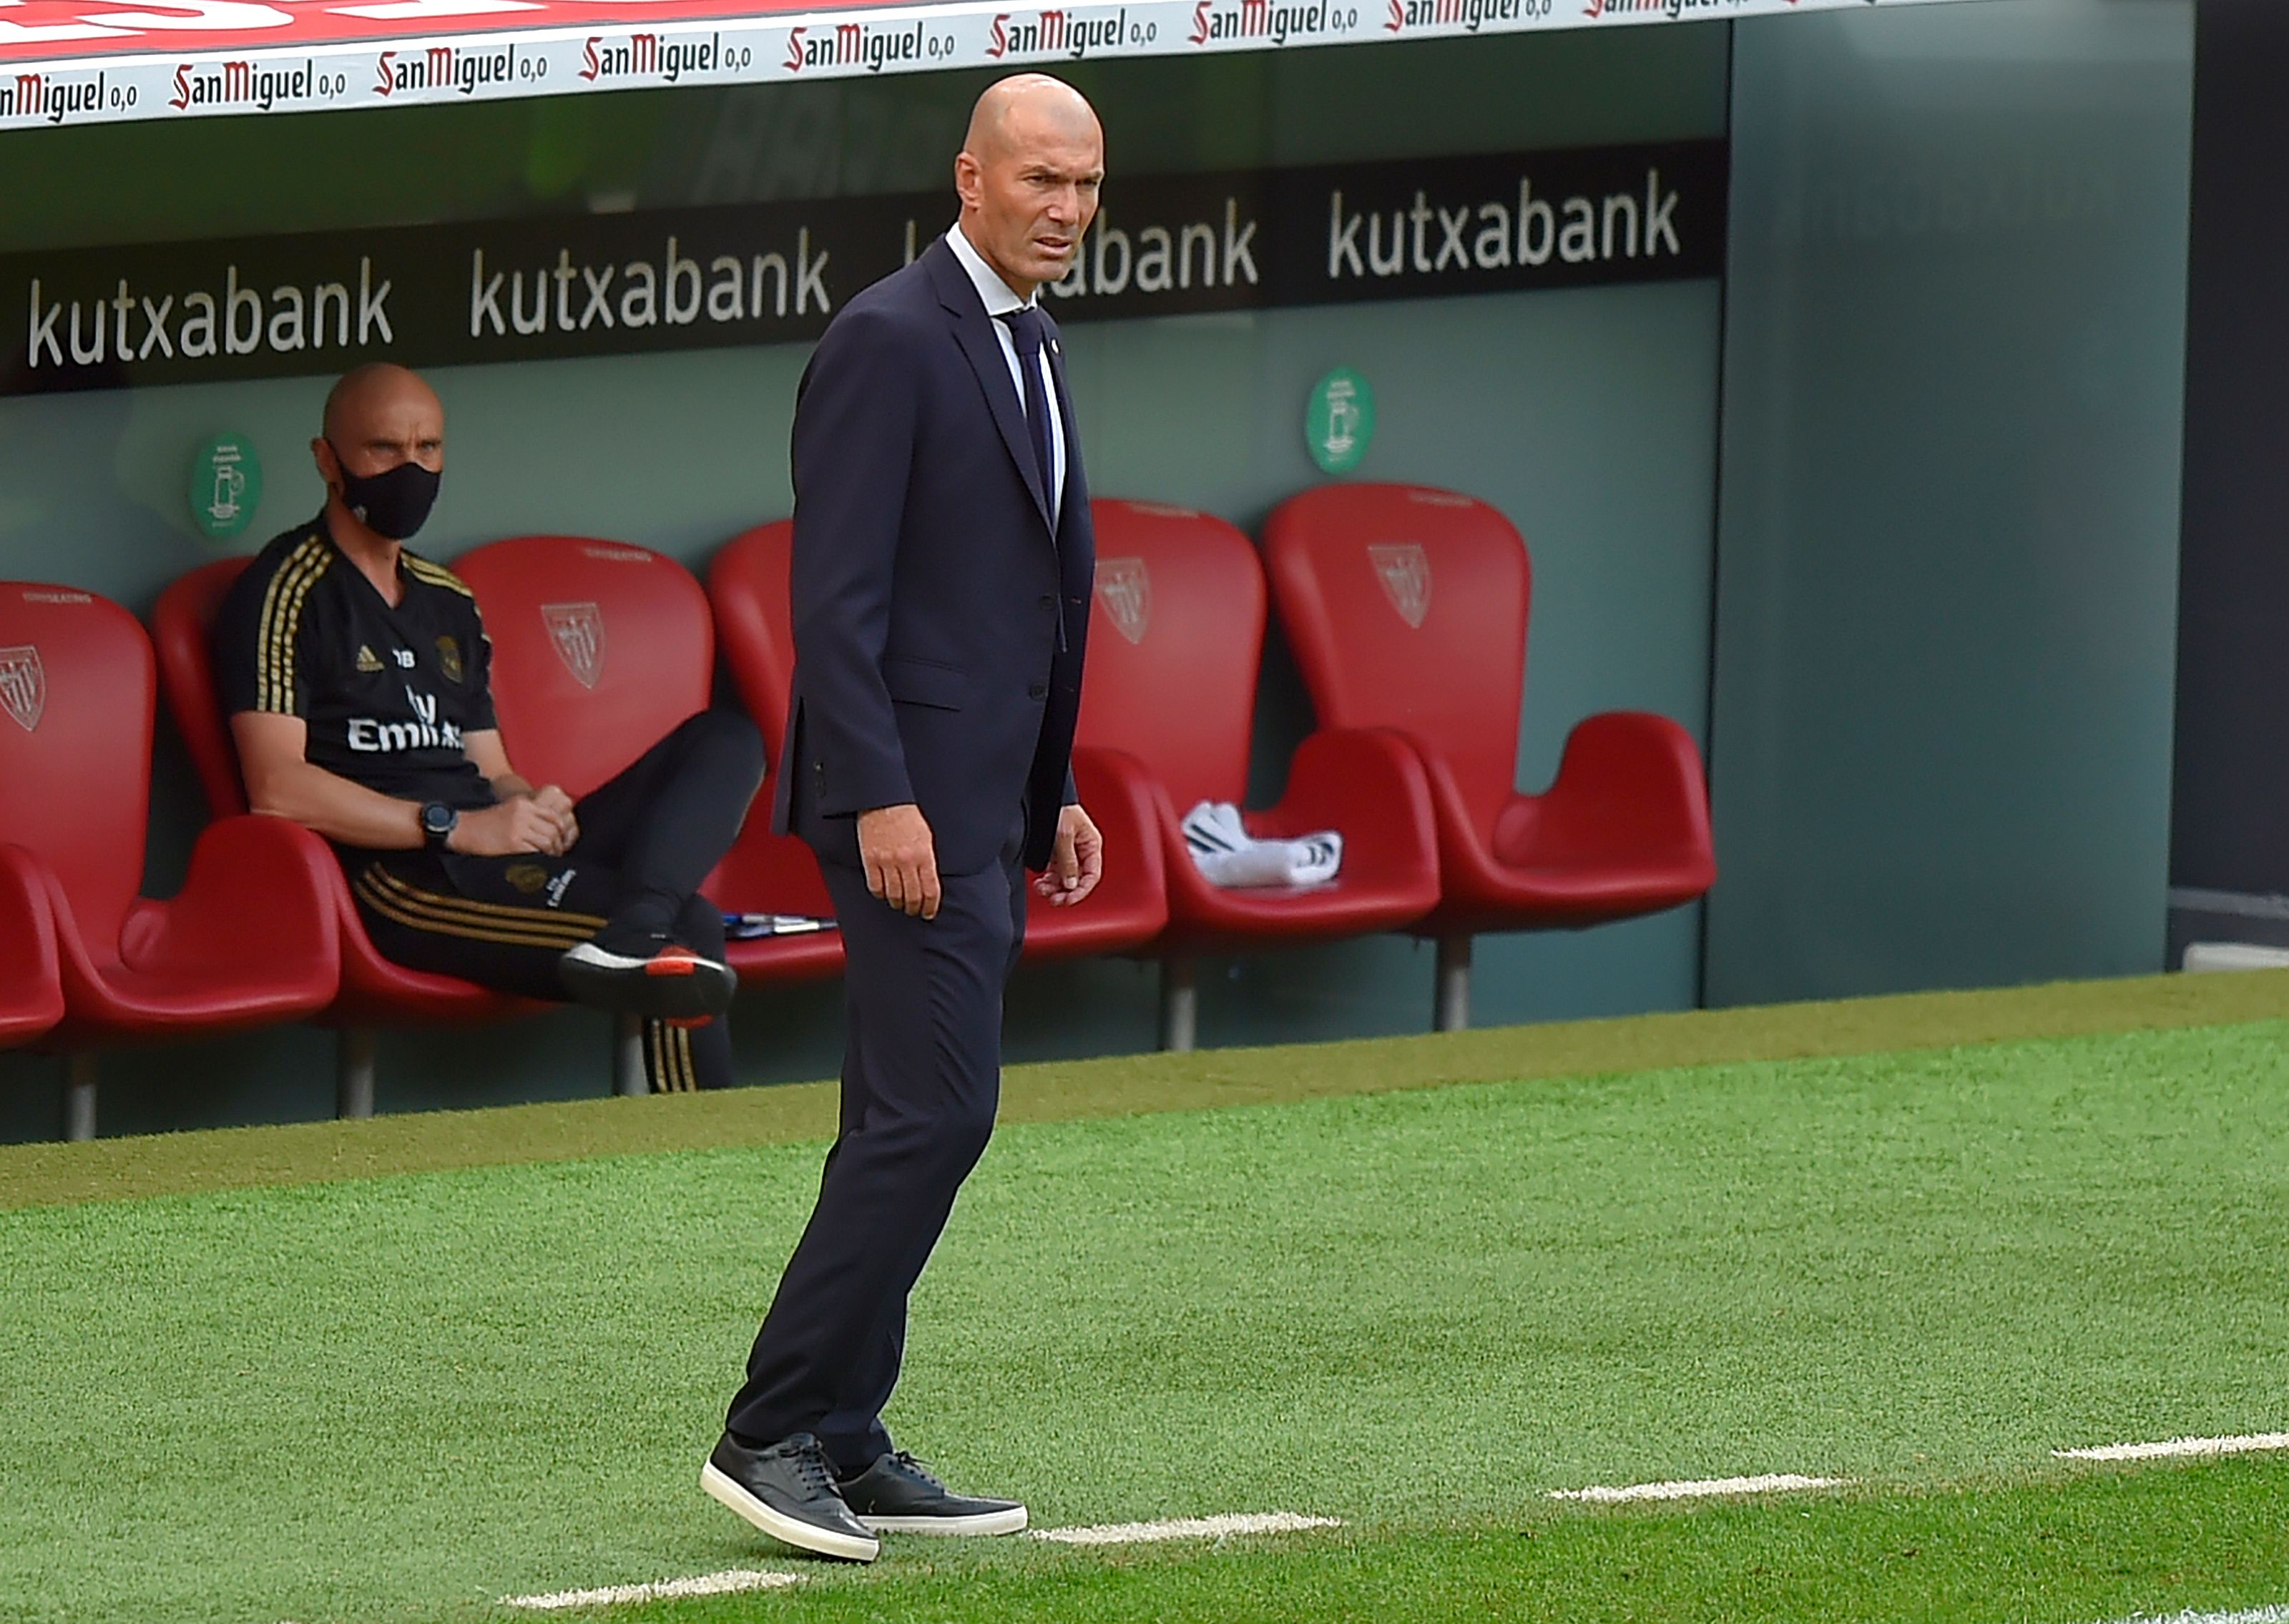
column 943, row 558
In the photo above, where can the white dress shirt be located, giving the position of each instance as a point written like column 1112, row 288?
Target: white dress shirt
column 1000, row 299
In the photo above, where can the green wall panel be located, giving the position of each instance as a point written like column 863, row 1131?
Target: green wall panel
column 1953, row 402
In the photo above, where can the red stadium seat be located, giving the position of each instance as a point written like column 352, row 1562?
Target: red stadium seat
column 31, row 981
column 1174, row 653
column 600, row 650
column 1407, row 609
column 748, row 584
column 374, row 991
column 250, row 940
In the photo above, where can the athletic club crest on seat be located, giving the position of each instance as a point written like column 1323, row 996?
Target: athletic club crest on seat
column 23, row 686
column 1404, row 569
column 1124, row 585
column 577, row 631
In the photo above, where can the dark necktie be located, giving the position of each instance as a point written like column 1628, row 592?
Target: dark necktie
column 1025, row 327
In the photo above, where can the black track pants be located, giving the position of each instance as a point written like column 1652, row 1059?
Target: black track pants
column 647, row 840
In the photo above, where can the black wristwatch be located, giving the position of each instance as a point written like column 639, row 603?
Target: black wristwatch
column 438, row 822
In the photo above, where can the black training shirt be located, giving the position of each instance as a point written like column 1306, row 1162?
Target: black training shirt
column 388, row 694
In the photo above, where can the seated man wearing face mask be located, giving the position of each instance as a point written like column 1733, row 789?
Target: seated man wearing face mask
column 355, row 673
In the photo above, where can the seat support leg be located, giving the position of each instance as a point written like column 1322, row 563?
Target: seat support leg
column 629, row 1077
column 1452, row 1010
column 1180, row 1005
column 354, row 1072
column 79, row 1095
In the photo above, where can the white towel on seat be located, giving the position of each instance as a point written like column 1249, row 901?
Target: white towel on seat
column 1228, row 856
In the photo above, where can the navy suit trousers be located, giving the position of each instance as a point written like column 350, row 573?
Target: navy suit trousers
column 921, row 1078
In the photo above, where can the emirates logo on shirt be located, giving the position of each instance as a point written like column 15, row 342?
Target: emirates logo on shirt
column 23, row 686
column 1404, row 569
column 1124, row 585
column 578, row 632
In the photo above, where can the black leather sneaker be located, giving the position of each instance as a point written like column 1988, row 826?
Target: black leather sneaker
column 898, row 1494
column 788, row 1492
column 646, row 974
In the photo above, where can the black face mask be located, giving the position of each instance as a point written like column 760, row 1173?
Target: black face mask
column 394, row 504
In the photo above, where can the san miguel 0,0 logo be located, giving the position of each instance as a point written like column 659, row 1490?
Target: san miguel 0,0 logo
column 643, row 56
column 857, row 44
column 1261, row 20
column 1066, row 34
column 36, row 95
column 243, row 85
column 445, row 68
column 1597, row 9
column 1468, row 15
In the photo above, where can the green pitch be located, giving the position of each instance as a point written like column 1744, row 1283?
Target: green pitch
column 403, row 1397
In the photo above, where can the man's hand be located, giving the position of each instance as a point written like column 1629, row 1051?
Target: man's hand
column 552, row 799
column 1079, row 862
column 522, row 824
column 511, row 789
column 900, row 859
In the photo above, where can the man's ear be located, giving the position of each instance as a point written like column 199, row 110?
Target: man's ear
column 330, row 467
column 965, row 177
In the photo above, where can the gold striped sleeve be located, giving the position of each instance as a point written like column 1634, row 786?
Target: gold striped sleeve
column 276, row 647
column 436, row 575
column 280, row 619
column 289, row 662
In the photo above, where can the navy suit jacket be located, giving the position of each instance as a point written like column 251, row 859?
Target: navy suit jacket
column 939, row 623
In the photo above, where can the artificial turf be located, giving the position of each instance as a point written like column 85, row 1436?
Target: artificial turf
column 165, row 1164
column 400, row 1398
column 2086, row 1549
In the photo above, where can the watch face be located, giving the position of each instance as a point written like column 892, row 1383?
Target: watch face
column 438, row 820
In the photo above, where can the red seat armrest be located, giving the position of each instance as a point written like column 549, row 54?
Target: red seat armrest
column 261, row 888
column 28, row 936
column 1629, row 780
column 1367, row 785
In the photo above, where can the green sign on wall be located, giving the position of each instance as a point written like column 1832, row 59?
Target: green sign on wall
column 226, row 486
column 1339, row 422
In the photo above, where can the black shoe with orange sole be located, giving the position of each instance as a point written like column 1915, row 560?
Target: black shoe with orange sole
column 653, row 977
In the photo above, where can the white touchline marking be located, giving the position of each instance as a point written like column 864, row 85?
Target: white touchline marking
column 2254, row 1615
column 1187, row 1528
column 1702, row 1488
column 2250, row 1444
column 664, row 1589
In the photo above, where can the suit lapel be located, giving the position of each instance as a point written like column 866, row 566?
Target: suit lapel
column 973, row 331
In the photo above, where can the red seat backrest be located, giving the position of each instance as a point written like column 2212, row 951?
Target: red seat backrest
column 77, row 696
column 1407, row 607
column 182, row 625
column 599, row 649
column 1176, row 642
column 747, row 584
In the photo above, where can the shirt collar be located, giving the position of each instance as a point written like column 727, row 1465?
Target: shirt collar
column 999, row 298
